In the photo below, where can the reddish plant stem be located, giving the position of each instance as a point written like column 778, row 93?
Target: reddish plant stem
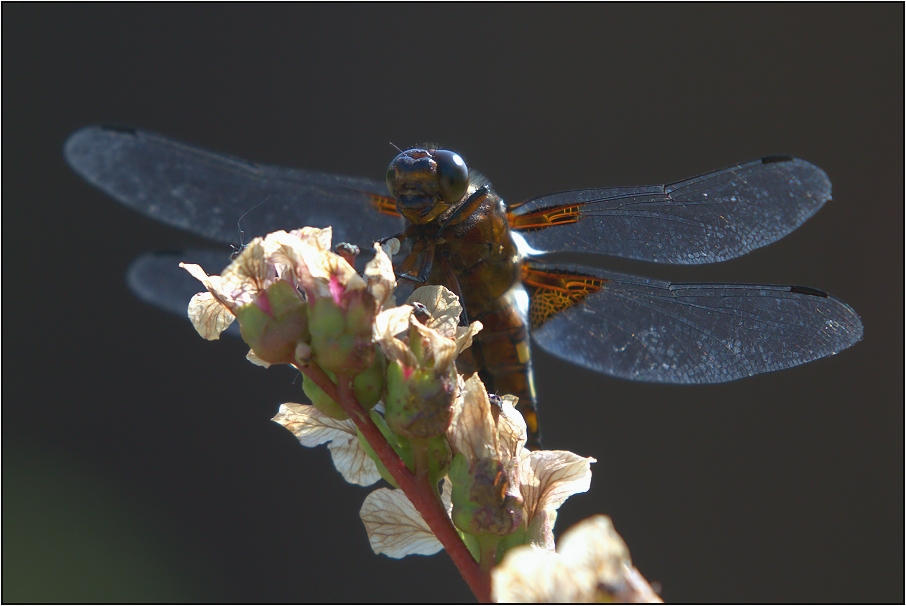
column 417, row 489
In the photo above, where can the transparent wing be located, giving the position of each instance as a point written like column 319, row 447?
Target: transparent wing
column 710, row 218
column 157, row 279
column 206, row 193
column 649, row 330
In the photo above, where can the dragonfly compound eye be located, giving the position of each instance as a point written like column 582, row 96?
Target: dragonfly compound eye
column 453, row 175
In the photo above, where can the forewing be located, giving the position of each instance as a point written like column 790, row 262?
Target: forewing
column 710, row 218
column 649, row 330
column 206, row 192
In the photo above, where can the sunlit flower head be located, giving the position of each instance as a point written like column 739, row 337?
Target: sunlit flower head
column 591, row 564
column 507, row 483
column 283, row 285
column 421, row 340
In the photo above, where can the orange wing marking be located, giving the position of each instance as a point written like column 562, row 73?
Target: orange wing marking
column 384, row 205
column 548, row 217
column 553, row 291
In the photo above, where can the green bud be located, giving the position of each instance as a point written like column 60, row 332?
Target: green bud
column 439, row 457
column 481, row 505
column 368, row 386
column 341, row 339
column 419, row 404
column 326, row 319
column 519, row 537
column 274, row 324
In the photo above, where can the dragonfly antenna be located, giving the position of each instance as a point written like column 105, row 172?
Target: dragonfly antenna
column 395, row 147
column 242, row 245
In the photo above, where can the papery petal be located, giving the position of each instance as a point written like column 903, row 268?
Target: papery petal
column 292, row 252
column 212, row 283
column 548, row 477
column 285, row 251
column 248, row 274
column 254, row 359
column 379, row 276
column 209, row 315
column 636, row 589
column 389, row 323
column 312, row 428
column 594, row 549
column 438, row 347
column 511, row 430
column 315, row 236
column 472, row 431
column 308, row 252
column 464, row 335
column 443, row 306
column 392, row 322
column 591, row 564
column 446, row 495
column 531, row 574
column 326, row 265
column 394, row 526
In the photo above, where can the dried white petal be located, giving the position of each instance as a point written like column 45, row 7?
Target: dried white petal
column 312, row 428
column 209, row 316
column 248, row 274
column 212, row 283
column 593, row 548
column 437, row 347
column 307, row 252
column 446, row 495
column 531, row 574
column 240, row 282
column 392, row 322
column 511, row 430
column 548, row 477
column 472, row 431
column 394, row 526
column 442, row 305
column 319, row 237
column 387, row 325
column 464, row 335
column 591, row 564
column 379, row 276
column 254, row 359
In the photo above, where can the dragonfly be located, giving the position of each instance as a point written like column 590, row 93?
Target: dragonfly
column 454, row 230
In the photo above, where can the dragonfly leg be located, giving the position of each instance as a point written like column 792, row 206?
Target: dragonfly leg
column 466, row 208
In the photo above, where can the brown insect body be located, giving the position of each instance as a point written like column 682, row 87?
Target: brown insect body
column 468, row 249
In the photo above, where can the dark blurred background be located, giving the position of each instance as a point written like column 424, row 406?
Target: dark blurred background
column 140, row 462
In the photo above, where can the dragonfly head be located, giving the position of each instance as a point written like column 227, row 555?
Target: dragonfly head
column 426, row 182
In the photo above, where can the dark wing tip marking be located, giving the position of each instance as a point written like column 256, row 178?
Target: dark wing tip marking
column 808, row 290
column 777, row 158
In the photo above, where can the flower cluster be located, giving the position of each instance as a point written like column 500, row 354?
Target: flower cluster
column 389, row 403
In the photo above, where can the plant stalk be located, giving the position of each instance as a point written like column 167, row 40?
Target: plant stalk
column 417, row 488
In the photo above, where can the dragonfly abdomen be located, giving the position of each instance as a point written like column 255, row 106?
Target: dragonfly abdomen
column 501, row 355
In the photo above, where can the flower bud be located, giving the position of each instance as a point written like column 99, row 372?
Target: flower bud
column 419, row 402
column 341, row 335
column 482, row 503
column 367, row 386
column 274, row 323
